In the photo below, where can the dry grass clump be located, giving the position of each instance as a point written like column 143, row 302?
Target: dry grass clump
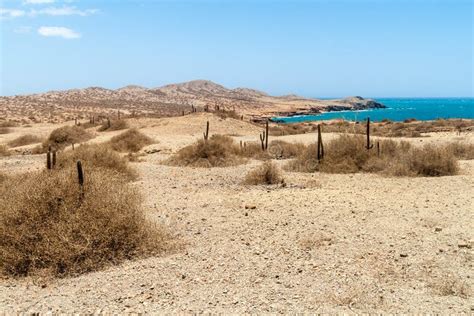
column 66, row 135
column 24, row 140
column 115, row 125
column 267, row 173
column 130, row 141
column 5, row 126
column 347, row 154
column 289, row 129
column 8, row 124
column 96, row 156
column 4, row 151
column 461, row 151
column 450, row 285
column 5, row 130
column 3, row 177
column 217, row 151
column 430, row 161
column 46, row 228
column 223, row 114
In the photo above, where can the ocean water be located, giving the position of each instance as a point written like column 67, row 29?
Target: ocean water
column 399, row 109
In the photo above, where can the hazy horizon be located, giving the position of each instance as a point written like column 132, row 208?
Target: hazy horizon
column 385, row 48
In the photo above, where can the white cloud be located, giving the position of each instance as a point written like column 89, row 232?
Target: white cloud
column 55, row 11
column 38, row 1
column 11, row 13
column 58, row 31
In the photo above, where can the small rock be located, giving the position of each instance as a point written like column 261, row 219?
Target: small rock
column 250, row 207
column 438, row 229
column 403, row 255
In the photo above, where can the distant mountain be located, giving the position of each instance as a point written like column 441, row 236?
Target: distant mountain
column 168, row 100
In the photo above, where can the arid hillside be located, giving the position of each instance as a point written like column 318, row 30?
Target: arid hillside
column 170, row 100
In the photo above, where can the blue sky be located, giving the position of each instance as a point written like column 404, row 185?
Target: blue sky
column 312, row 48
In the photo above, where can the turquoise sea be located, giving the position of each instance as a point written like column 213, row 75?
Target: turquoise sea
column 399, row 109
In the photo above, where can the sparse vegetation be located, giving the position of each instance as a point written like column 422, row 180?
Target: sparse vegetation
column 5, row 130
column 5, row 126
column 96, row 156
column 450, row 285
column 113, row 125
column 347, row 154
column 130, row 141
column 48, row 227
column 24, row 140
column 386, row 128
column 66, row 135
column 4, row 151
column 267, row 173
column 217, row 151
column 461, row 150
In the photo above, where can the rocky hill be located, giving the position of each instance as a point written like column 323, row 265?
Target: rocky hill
column 168, row 100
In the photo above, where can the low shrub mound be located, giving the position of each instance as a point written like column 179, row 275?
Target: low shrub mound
column 461, row 151
column 96, row 156
column 66, row 135
column 24, row 140
column 348, row 154
column 50, row 226
column 5, row 130
column 217, row 151
column 431, row 161
column 267, row 173
column 4, row 151
column 113, row 125
column 130, row 141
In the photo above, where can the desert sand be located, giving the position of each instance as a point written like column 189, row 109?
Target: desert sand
column 324, row 243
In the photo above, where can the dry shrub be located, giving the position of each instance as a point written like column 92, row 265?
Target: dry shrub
column 3, row 177
column 96, row 156
column 24, row 140
column 347, row 154
column 66, row 135
column 130, row 141
column 288, row 129
column 5, row 130
column 115, row 125
column 8, row 124
column 4, row 151
column 431, row 161
column 217, row 151
column 450, row 285
column 223, row 114
column 253, row 150
column 267, row 173
column 461, row 151
column 48, row 229
column 315, row 241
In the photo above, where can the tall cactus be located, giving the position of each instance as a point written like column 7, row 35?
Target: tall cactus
column 80, row 179
column 80, row 173
column 54, row 159
column 368, row 146
column 267, row 135
column 262, row 140
column 320, row 144
column 206, row 134
column 48, row 160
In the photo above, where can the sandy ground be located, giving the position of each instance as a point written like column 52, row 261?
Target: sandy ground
column 324, row 243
